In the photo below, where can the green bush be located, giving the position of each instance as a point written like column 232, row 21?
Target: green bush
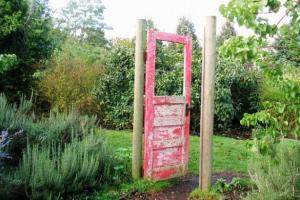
column 58, row 127
column 237, row 92
column 276, row 177
column 68, row 81
column 279, row 116
column 114, row 89
column 52, row 171
column 236, row 86
column 14, row 117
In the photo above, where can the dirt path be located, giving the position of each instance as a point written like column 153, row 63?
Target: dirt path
column 182, row 189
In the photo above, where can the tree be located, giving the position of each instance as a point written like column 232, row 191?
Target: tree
column 227, row 32
column 186, row 27
column 279, row 115
column 83, row 19
column 25, row 43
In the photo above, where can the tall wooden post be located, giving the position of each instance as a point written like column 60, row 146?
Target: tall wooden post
column 138, row 116
column 207, row 103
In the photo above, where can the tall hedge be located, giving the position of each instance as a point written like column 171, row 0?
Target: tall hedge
column 236, row 86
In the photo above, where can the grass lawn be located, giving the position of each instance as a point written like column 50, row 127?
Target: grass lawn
column 229, row 155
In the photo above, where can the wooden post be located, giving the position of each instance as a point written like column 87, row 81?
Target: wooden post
column 138, row 116
column 207, row 103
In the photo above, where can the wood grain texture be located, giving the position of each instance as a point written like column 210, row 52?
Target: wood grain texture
column 137, row 136
column 207, row 103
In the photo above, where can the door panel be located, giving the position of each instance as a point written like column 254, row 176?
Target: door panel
column 167, row 118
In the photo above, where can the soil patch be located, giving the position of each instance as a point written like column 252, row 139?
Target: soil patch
column 181, row 189
column 240, row 133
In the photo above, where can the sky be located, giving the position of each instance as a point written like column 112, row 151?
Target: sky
column 121, row 15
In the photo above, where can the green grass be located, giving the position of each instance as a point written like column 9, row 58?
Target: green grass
column 229, row 155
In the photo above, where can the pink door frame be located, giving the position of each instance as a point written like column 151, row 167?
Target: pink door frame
column 159, row 167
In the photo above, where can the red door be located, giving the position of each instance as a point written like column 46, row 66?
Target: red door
column 167, row 118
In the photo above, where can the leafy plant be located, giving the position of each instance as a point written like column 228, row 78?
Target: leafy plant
column 59, row 127
column 276, row 177
column 236, row 86
column 51, row 171
column 280, row 115
column 68, row 82
column 237, row 92
column 19, row 124
column 236, row 188
column 7, row 62
column 122, row 167
column 26, row 42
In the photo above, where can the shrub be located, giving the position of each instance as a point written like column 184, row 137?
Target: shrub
column 114, row 89
column 237, row 92
column 59, row 127
column 14, row 121
column 52, row 171
column 276, row 177
column 279, row 116
column 19, row 124
column 14, row 117
column 70, row 78
column 236, row 86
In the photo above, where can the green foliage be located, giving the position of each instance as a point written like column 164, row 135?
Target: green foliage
column 14, row 117
column 280, row 114
column 11, row 16
column 123, row 167
column 243, row 49
column 26, row 34
column 276, row 177
column 69, row 80
column 50, row 171
column 114, row 90
column 83, row 20
column 246, row 13
column 249, row 14
column 197, row 194
column 186, row 27
column 7, row 61
column 226, row 33
column 236, row 86
column 236, row 93
column 287, row 44
column 58, row 127
column 237, row 186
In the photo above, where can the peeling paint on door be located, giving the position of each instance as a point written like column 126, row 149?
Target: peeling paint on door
column 167, row 118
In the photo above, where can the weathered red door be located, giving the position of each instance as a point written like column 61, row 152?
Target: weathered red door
column 167, row 118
